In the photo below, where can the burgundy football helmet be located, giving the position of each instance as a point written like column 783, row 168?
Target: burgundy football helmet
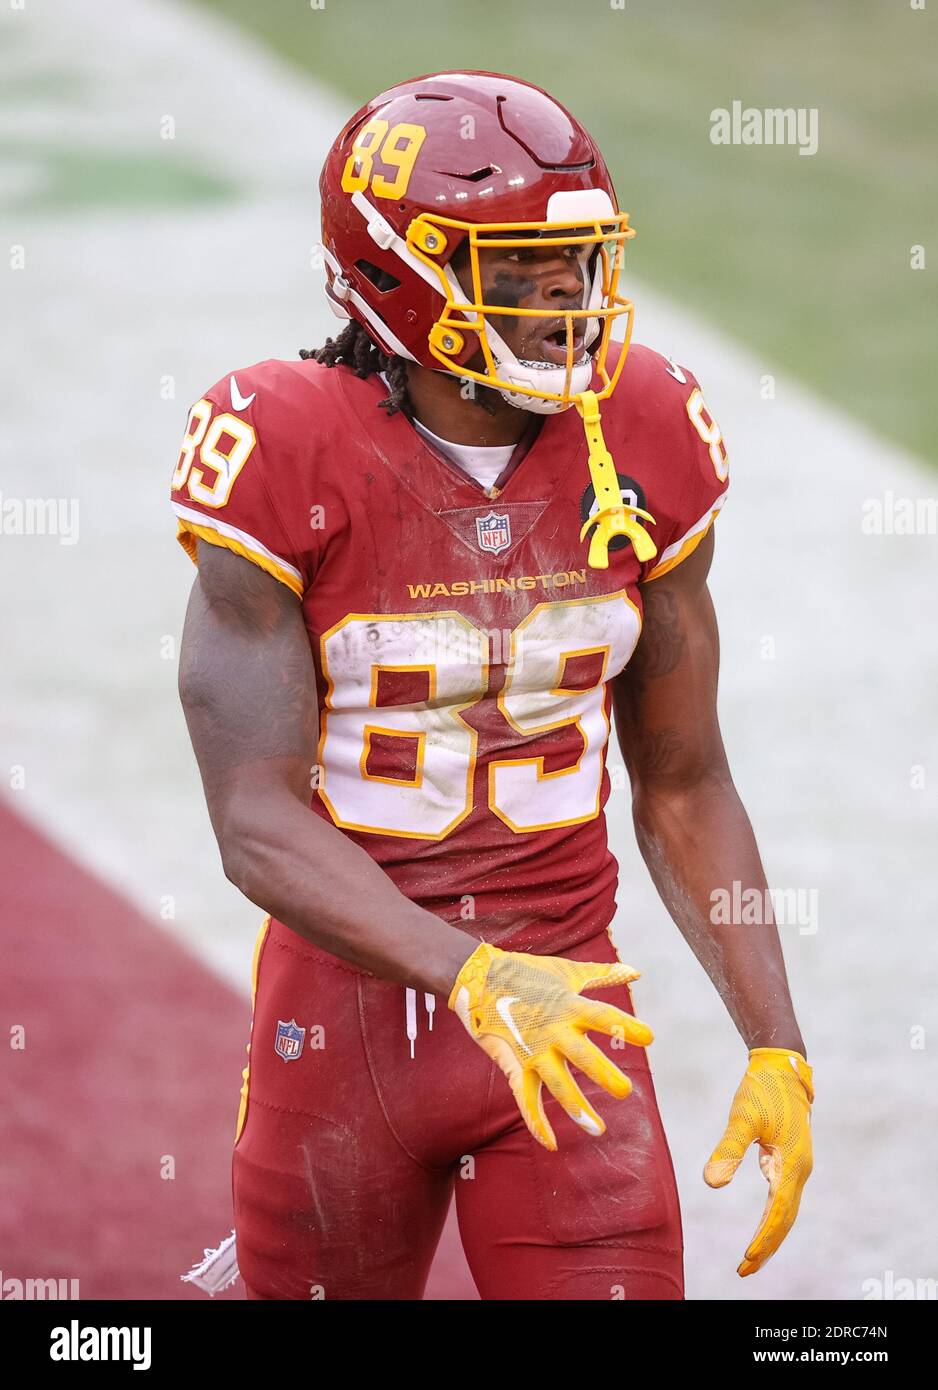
column 470, row 159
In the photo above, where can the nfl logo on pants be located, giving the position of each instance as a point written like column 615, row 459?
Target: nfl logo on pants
column 289, row 1041
column 493, row 532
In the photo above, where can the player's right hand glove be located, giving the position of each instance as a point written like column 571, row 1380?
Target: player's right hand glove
column 527, row 1014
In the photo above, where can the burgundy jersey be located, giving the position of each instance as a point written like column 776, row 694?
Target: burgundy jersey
column 463, row 647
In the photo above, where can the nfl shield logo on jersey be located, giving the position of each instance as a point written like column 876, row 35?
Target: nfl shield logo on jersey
column 289, row 1041
column 494, row 532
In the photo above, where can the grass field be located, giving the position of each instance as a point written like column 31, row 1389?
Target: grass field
column 807, row 260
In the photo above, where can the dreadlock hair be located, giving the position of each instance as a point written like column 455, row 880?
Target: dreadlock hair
column 354, row 348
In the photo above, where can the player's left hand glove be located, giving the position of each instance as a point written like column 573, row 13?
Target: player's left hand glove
column 772, row 1108
column 526, row 1012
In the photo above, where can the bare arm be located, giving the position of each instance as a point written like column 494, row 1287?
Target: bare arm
column 248, row 688
column 691, row 826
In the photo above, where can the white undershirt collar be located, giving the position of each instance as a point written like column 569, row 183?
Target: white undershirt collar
column 483, row 462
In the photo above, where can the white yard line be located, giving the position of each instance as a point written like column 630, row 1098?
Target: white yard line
column 823, row 734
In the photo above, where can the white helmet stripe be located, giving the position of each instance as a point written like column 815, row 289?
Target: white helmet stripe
column 376, row 321
column 384, row 235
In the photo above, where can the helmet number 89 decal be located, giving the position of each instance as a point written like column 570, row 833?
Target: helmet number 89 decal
column 552, row 707
column 203, row 437
column 399, row 149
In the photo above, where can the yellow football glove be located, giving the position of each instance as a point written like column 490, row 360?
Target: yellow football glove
column 527, row 1014
column 773, row 1109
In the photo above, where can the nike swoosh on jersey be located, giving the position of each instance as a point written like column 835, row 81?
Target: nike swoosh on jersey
column 675, row 371
column 239, row 402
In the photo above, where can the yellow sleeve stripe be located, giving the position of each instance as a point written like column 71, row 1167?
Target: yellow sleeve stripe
column 672, row 556
column 246, row 1074
column 195, row 524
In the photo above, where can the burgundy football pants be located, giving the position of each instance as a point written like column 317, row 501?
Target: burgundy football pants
column 350, row 1150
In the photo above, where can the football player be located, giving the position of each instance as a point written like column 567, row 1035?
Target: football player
column 436, row 557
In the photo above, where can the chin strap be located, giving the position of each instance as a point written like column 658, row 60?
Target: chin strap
column 612, row 518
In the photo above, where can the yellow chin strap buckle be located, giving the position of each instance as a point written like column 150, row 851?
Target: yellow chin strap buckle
column 612, row 518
